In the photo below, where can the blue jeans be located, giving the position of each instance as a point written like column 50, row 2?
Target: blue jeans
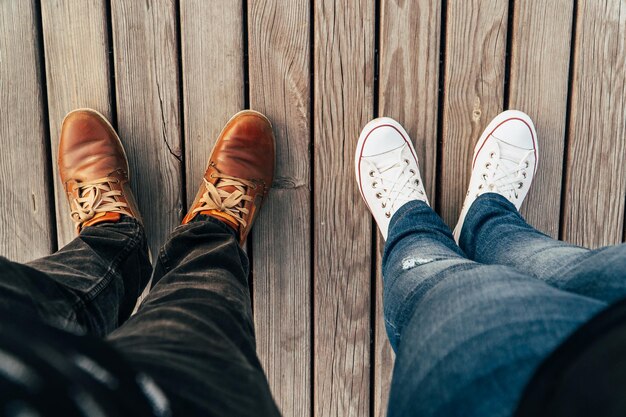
column 470, row 324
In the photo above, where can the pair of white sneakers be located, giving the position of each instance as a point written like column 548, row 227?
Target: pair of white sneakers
column 387, row 170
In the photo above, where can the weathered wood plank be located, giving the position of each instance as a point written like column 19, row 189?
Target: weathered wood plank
column 538, row 85
column 409, row 82
column 596, row 174
column 278, row 39
column 343, row 103
column 25, row 222
column 383, row 356
column 473, row 90
column 77, row 66
column 213, row 79
column 146, row 79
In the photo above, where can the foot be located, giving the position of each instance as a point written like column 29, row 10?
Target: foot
column 505, row 161
column 239, row 174
column 387, row 170
column 94, row 170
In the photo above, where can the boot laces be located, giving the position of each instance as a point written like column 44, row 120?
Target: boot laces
column 229, row 202
column 97, row 197
column 394, row 189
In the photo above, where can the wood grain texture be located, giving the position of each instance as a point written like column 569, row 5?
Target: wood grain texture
column 596, row 174
column 25, row 224
column 409, row 85
column 473, row 90
column 146, row 79
column 213, row 79
column 538, row 85
column 77, row 71
column 409, row 76
column 278, row 43
column 343, row 104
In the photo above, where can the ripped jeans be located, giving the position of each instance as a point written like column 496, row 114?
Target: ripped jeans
column 470, row 324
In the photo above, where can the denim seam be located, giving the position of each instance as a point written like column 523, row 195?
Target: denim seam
column 84, row 301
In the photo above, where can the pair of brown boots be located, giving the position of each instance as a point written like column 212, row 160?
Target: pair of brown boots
column 95, row 175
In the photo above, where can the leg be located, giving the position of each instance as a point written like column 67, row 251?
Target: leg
column 495, row 233
column 92, row 283
column 468, row 337
column 194, row 332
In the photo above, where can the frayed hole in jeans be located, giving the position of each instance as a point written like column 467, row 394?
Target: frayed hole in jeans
column 412, row 262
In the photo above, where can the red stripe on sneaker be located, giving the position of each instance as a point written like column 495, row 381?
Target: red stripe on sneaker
column 500, row 124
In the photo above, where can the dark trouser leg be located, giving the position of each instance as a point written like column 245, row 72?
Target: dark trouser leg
column 194, row 332
column 468, row 336
column 495, row 233
column 91, row 285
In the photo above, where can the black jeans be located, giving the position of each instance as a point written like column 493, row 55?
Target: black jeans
column 193, row 333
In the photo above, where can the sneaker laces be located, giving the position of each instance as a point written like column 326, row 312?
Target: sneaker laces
column 229, row 202
column 97, row 197
column 393, row 189
column 504, row 178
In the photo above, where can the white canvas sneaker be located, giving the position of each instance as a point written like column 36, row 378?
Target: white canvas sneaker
column 387, row 170
column 505, row 161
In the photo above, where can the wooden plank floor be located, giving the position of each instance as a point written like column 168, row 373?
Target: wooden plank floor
column 169, row 74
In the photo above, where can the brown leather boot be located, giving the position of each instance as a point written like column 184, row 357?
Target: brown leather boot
column 94, row 170
column 239, row 174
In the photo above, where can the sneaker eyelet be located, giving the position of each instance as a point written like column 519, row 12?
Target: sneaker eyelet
column 371, row 173
column 388, row 214
column 524, row 175
column 492, row 155
column 527, row 164
column 487, row 165
column 417, row 182
column 520, row 185
column 412, row 171
column 480, row 187
column 379, row 196
column 485, row 177
column 383, row 205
